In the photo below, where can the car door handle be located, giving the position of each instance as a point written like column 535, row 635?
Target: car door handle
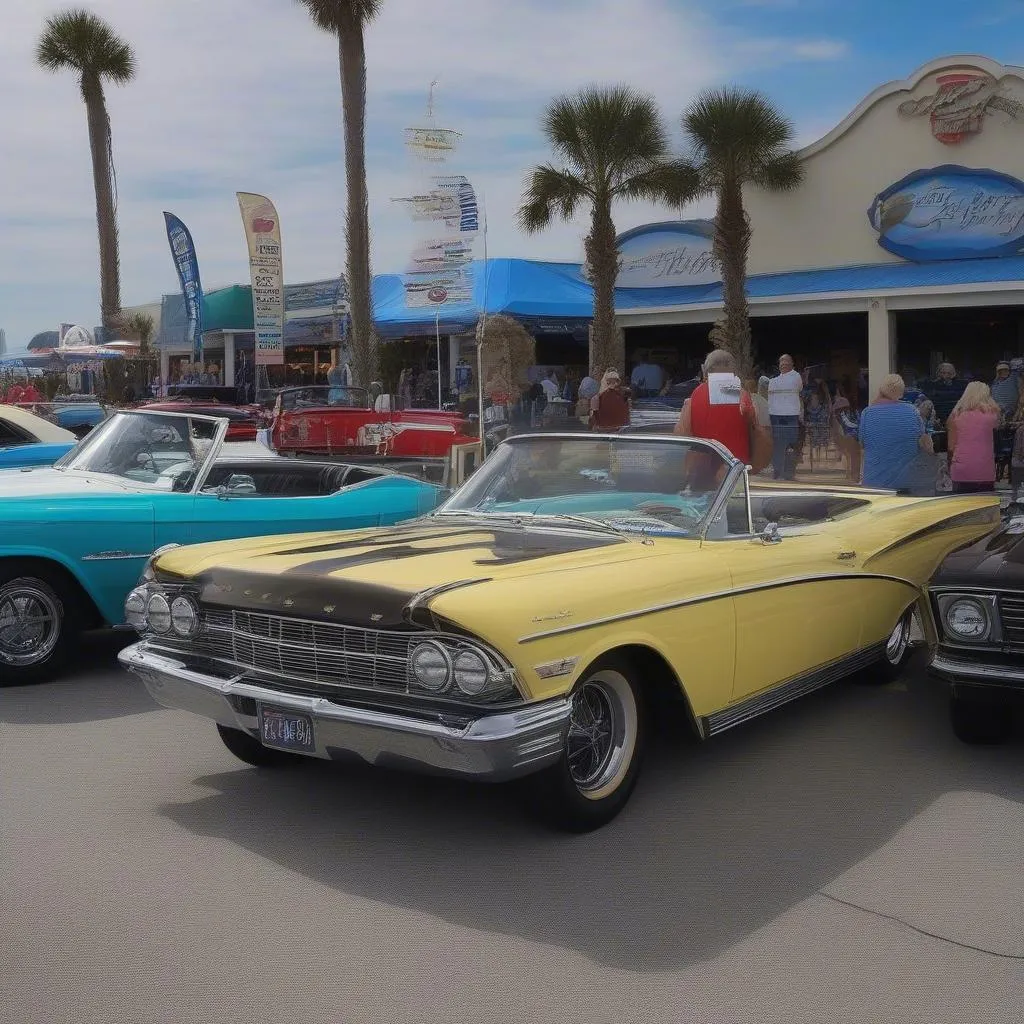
column 846, row 556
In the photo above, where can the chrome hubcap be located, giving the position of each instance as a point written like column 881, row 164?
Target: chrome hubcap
column 30, row 620
column 899, row 640
column 602, row 734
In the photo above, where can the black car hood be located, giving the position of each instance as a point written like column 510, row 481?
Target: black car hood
column 996, row 560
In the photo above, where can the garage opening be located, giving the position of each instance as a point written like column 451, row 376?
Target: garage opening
column 972, row 339
column 833, row 345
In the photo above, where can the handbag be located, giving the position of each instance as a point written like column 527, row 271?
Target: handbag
column 760, row 448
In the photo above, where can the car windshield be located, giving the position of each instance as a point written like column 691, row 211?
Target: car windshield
column 323, row 398
column 631, row 483
column 162, row 450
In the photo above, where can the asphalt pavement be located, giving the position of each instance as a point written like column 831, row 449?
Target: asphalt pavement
column 843, row 859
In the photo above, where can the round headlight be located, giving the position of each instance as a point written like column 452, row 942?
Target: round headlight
column 158, row 611
column 135, row 608
column 184, row 617
column 431, row 667
column 967, row 619
column 472, row 673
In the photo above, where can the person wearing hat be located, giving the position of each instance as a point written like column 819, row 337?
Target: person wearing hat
column 1006, row 389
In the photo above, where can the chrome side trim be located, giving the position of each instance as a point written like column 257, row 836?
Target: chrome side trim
column 113, row 556
column 715, row 596
column 761, row 703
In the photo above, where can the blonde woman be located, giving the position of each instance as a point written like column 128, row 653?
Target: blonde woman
column 970, row 432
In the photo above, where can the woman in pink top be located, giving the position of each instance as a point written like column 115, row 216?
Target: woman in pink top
column 971, row 440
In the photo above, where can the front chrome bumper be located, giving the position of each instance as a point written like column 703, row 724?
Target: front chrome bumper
column 494, row 748
column 977, row 673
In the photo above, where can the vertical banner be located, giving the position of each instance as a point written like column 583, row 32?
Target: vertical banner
column 263, row 236
column 184, row 254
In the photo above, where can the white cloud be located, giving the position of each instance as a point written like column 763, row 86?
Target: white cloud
column 243, row 95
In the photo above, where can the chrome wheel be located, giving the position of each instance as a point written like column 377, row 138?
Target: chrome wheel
column 899, row 640
column 30, row 622
column 602, row 734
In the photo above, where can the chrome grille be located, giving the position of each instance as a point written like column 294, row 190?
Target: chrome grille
column 1011, row 612
column 319, row 653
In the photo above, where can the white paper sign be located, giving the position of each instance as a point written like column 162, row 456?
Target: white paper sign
column 724, row 388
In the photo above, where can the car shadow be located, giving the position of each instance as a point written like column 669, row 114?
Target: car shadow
column 719, row 839
column 94, row 688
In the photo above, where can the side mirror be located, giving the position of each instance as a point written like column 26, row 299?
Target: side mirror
column 770, row 534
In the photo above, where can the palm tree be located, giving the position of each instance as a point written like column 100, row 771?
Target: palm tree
column 737, row 138
column 79, row 41
column 347, row 20
column 140, row 327
column 612, row 145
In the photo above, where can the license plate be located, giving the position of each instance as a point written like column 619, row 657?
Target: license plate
column 286, row 730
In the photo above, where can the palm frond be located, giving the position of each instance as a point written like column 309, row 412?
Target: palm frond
column 78, row 40
column 612, row 132
column 736, row 132
column 783, row 174
column 674, row 182
column 550, row 193
column 337, row 16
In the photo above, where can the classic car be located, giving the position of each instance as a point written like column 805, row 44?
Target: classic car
column 77, row 414
column 526, row 627
column 243, row 421
column 75, row 537
column 343, row 421
column 29, row 440
column 977, row 599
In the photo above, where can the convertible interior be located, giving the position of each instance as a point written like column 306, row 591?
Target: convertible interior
column 268, row 479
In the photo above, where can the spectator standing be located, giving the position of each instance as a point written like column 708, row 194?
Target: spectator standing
column 731, row 423
column 1006, row 390
column 891, row 432
column 609, row 409
column 31, row 393
column 588, row 389
column 646, row 378
column 758, row 391
column 971, row 437
column 945, row 391
column 1017, row 458
column 550, row 386
column 845, row 421
column 786, row 412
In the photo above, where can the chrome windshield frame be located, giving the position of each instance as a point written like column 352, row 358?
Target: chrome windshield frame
column 735, row 466
column 220, row 429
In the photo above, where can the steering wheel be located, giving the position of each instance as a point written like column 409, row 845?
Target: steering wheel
column 665, row 512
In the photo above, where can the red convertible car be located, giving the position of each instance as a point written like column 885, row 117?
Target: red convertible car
column 342, row 421
column 243, row 420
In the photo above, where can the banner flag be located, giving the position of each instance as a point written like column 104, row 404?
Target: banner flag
column 183, row 251
column 263, row 236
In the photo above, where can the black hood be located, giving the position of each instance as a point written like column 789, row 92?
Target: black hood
column 996, row 560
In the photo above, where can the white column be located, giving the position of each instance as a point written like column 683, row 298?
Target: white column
column 880, row 344
column 229, row 360
column 165, row 366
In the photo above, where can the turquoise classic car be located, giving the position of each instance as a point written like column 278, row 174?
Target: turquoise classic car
column 29, row 440
column 76, row 537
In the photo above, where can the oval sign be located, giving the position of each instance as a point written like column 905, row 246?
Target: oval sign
column 950, row 213
column 672, row 254
column 437, row 294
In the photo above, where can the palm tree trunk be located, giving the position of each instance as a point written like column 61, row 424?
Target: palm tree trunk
column 106, row 215
column 731, row 245
column 362, row 340
column 606, row 346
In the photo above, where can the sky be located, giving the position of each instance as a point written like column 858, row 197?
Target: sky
column 243, row 95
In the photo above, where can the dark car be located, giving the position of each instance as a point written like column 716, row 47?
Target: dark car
column 977, row 599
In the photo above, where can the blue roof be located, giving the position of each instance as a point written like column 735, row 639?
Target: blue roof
column 538, row 291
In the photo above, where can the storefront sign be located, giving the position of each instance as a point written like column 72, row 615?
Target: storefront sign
column 183, row 252
column 960, row 104
column 951, row 213
column 263, row 235
column 440, row 255
column 325, row 295
column 427, row 290
column 669, row 255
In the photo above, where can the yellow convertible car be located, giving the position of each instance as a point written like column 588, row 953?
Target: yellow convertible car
column 525, row 628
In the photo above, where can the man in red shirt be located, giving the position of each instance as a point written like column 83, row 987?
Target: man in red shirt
column 726, row 413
